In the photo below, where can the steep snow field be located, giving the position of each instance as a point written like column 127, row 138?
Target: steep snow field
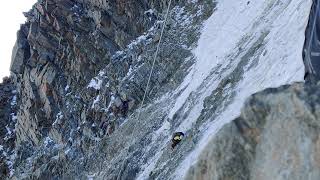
column 245, row 47
column 275, row 29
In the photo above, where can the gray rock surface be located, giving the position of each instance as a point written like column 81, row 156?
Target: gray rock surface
column 80, row 69
column 276, row 137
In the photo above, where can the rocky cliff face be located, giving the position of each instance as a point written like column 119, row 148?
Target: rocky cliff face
column 80, row 70
column 276, row 137
column 61, row 47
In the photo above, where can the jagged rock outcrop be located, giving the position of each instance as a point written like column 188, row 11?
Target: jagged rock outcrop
column 276, row 137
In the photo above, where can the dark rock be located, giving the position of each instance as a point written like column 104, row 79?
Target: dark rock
column 7, row 124
column 20, row 52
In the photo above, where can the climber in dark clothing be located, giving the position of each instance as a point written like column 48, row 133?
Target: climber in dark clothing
column 125, row 108
column 176, row 138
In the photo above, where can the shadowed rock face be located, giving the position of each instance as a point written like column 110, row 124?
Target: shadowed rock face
column 276, row 137
column 66, row 43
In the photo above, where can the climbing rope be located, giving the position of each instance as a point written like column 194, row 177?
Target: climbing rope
column 154, row 59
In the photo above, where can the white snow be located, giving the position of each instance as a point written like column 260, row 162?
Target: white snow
column 150, row 11
column 9, row 132
column 148, row 167
column 193, row 1
column 66, row 88
column 59, row 117
column 102, row 73
column 163, row 130
column 47, row 140
column 14, row 101
column 137, row 41
column 13, row 117
column 91, row 176
column 95, row 83
column 67, row 151
column 236, row 22
column 95, row 101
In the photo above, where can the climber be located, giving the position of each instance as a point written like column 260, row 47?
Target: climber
column 125, row 108
column 176, row 138
column 110, row 128
column 103, row 126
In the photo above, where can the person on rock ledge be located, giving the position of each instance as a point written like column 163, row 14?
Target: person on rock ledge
column 176, row 139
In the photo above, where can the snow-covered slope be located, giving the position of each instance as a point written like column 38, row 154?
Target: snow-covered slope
column 245, row 47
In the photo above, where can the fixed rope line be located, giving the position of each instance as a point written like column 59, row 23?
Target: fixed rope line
column 154, row 59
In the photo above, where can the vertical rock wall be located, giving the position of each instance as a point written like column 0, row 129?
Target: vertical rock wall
column 64, row 44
